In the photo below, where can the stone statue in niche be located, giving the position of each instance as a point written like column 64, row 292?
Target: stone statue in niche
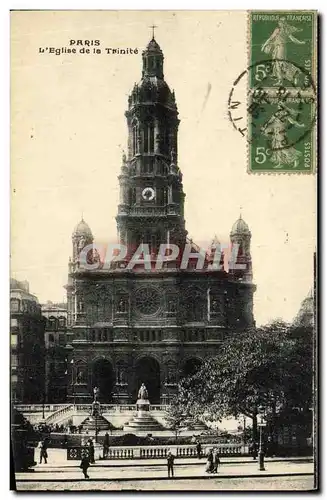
column 80, row 379
column 122, row 305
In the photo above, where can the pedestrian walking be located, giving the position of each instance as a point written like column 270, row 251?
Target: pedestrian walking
column 85, row 464
column 43, row 445
column 209, row 464
column 91, row 451
column 216, row 460
column 106, row 445
column 198, row 449
column 170, row 464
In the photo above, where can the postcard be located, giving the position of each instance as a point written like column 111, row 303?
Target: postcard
column 163, row 250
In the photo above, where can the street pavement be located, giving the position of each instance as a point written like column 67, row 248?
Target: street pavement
column 189, row 474
column 285, row 483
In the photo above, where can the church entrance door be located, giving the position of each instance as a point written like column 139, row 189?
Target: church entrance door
column 147, row 371
column 103, row 378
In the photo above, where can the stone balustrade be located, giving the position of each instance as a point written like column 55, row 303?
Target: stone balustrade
column 59, row 413
column 157, row 452
column 31, row 408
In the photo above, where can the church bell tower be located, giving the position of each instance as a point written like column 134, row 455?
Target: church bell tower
column 151, row 208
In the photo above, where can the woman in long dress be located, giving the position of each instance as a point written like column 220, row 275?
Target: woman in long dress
column 209, row 464
column 276, row 47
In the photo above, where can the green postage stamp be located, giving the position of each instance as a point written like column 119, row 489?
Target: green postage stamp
column 281, row 107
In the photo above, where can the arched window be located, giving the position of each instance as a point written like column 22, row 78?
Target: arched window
column 132, row 196
column 135, row 138
column 148, row 138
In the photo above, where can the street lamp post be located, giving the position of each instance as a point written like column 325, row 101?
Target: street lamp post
column 244, row 432
column 96, row 429
column 73, row 381
column 261, row 454
column 43, row 403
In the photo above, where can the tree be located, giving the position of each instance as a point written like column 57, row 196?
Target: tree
column 269, row 367
column 176, row 418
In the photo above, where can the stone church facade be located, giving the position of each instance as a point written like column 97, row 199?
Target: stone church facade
column 152, row 326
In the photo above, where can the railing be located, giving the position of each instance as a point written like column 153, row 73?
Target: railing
column 39, row 407
column 47, row 408
column 157, row 452
column 59, row 413
column 120, row 453
column 159, row 407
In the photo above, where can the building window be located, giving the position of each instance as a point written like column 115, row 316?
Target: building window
column 25, row 305
column 14, row 340
column 15, row 305
column 62, row 322
column 14, row 361
column 147, row 165
column 52, row 323
column 13, row 322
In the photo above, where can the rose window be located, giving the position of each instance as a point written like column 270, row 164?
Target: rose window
column 147, row 300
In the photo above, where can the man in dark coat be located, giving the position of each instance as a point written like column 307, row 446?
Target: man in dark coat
column 106, row 445
column 85, row 464
column 198, row 449
column 91, row 451
column 216, row 461
column 170, row 464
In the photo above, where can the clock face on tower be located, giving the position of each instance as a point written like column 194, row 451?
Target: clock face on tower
column 148, row 194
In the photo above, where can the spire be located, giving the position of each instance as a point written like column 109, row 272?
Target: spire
column 152, row 60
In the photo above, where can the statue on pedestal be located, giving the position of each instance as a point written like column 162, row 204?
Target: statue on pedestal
column 96, row 393
column 143, row 393
column 95, row 408
column 143, row 403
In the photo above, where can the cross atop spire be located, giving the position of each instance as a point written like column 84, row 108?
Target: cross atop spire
column 153, row 28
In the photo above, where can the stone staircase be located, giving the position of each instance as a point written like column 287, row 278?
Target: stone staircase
column 96, row 423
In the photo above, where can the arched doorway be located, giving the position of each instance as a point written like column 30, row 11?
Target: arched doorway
column 191, row 366
column 103, row 378
column 147, row 371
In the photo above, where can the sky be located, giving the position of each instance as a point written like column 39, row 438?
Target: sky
column 68, row 131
